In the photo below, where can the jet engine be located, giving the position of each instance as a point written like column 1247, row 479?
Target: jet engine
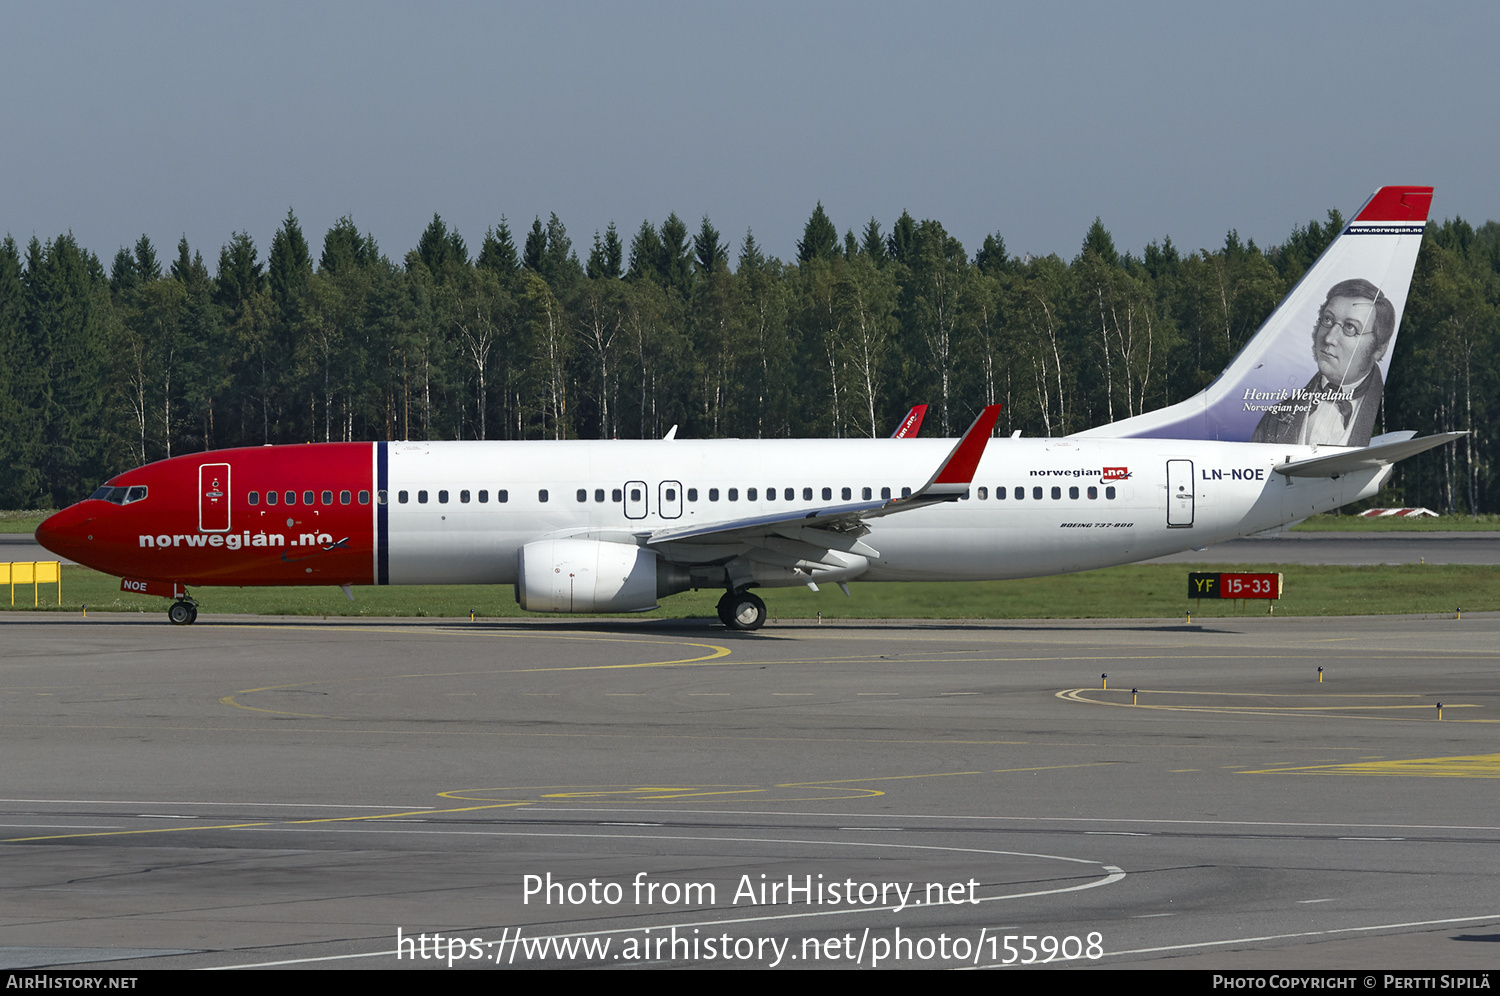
column 584, row 575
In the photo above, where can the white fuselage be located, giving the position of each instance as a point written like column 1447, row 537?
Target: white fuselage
column 1101, row 501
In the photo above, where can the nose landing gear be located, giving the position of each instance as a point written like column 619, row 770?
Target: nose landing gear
column 183, row 612
column 742, row 610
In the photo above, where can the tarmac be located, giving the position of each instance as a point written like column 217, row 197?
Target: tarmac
column 535, row 793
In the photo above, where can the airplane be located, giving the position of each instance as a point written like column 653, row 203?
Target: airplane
column 595, row 526
column 911, row 425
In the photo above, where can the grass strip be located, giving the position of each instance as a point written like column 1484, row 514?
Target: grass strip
column 1133, row 591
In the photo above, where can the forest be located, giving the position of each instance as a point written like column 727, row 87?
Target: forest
column 104, row 367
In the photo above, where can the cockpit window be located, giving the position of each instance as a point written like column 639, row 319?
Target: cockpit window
column 120, row 496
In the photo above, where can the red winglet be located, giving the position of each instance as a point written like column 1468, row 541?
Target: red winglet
column 1397, row 204
column 964, row 460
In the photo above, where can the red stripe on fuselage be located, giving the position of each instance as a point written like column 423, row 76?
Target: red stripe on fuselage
column 159, row 538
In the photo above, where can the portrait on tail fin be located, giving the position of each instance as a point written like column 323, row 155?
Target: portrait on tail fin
column 1338, row 405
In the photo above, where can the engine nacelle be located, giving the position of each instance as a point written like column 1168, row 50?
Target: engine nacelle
column 583, row 575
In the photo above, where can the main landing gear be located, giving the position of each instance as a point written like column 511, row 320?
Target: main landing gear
column 742, row 610
column 184, row 612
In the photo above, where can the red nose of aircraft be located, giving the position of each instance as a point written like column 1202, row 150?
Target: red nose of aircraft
column 69, row 533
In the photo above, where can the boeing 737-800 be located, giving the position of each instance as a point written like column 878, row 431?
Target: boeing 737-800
column 613, row 525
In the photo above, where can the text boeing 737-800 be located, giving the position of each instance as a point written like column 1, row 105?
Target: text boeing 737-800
column 613, row 525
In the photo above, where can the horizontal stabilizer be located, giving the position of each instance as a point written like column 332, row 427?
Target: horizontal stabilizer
column 1367, row 458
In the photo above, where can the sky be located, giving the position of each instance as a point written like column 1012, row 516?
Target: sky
column 1162, row 119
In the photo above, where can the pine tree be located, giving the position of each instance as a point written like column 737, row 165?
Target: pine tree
column 536, row 246
column 146, row 264
column 820, row 239
column 645, row 254
column 289, row 266
column 344, row 247
column 498, row 252
column 709, row 253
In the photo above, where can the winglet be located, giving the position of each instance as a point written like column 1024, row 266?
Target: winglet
column 957, row 472
column 912, row 424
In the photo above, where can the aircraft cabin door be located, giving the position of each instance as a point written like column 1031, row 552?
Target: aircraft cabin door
column 635, row 499
column 1180, row 494
column 669, row 501
column 213, row 498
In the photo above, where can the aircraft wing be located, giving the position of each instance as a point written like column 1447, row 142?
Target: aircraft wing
column 1365, row 458
column 948, row 483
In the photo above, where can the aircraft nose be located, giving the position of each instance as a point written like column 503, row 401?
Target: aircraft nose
column 67, row 533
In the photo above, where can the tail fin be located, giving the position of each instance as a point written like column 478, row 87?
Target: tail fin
column 912, row 424
column 1315, row 371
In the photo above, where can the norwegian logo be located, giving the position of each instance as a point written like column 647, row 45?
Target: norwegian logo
column 1114, row 474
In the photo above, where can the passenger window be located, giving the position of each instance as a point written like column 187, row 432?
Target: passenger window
column 616, row 495
column 1020, row 493
column 345, row 497
column 598, row 494
column 984, row 493
column 1109, row 494
column 309, row 498
column 421, row 497
column 864, row 493
column 463, row 497
column 906, row 492
column 1072, row 492
column 734, row 494
column 750, row 494
column 791, row 493
column 964, row 496
column 502, row 496
column 713, row 494
column 541, row 495
column 364, row 498
column 253, row 497
column 583, row 494
column 770, row 494
column 1093, row 494
column 401, row 496
column 847, row 493
column 484, row 497
column 271, row 497
column 291, row 498
column 692, row 494
column 885, row 494
column 635, row 494
column 671, row 494
column 807, row 494
column 1000, row 494
column 442, row 497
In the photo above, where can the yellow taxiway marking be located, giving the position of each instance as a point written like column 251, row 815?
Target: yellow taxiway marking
column 843, row 788
column 716, row 653
column 1268, row 706
column 1470, row 766
column 269, row 823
